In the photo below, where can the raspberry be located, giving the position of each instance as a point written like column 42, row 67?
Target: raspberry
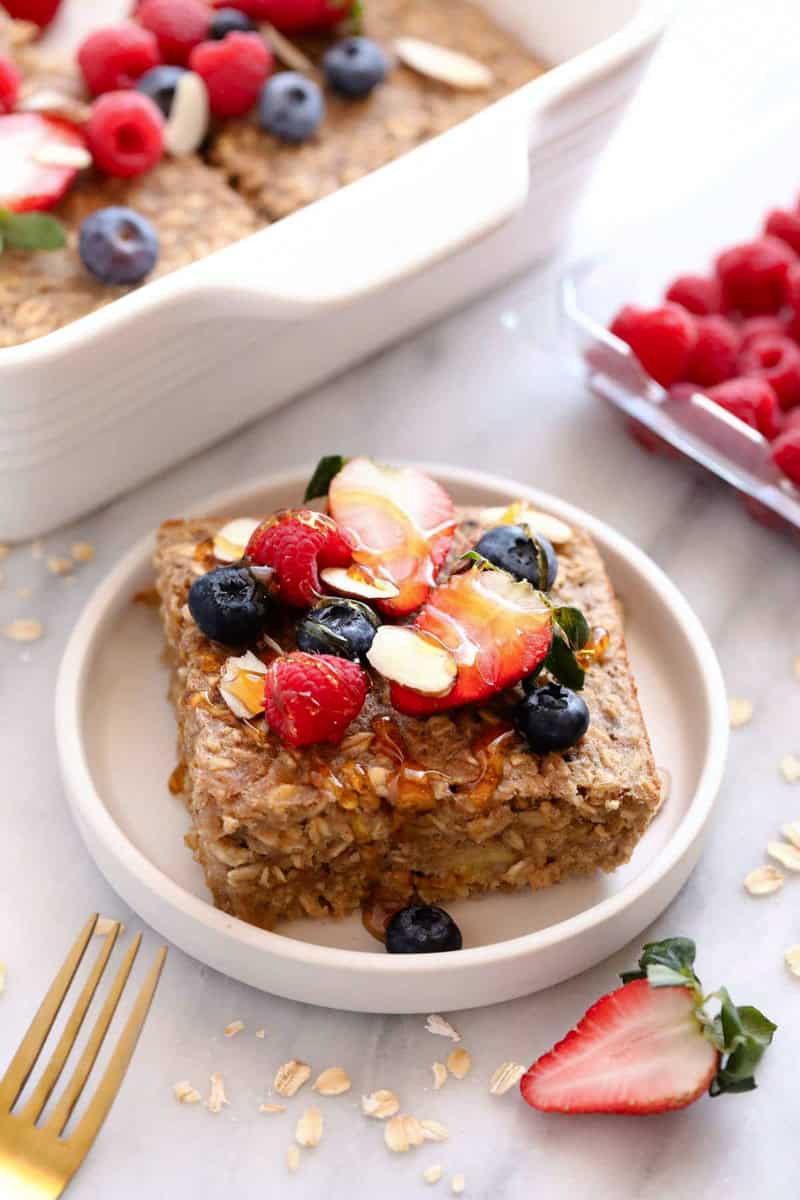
column 755, row 327
column 114, row 58
column 784, row 225
column 791, row 419
column 10, row 79
column 713, row 358
column 786, row 454
column 661, row 338
column 125, row 132
column 297, row 543
column 233, row 70
column 178, row 25
column 793, row 287
column 776, row 359
column 312, row 698
column 696, row 294
column 40, row 12
column 752, row 401
column 754, row 275
column 293, row 15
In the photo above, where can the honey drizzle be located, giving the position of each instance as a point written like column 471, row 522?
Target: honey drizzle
column 411, row 786
column 177, row 779
column 487, row 749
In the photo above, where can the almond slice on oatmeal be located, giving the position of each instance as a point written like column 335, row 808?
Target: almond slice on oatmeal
column 187, row 124
column 230, row 542
column 359, row 582
column 285, row 51
column 445, row 66
column 241, row 685
column 414, row 659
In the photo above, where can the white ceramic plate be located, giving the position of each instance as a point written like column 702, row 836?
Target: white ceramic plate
column 116, row 740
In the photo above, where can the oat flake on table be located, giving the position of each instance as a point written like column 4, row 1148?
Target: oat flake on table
column 438, row 1025
column 763, row 881
column 790, row 768
column 788, row 856
column 3, row 973
column 24, row 629
column 439, row 1075
column 217, row 1097
column 185, row 1093
column 506, row 1076
column 380, row 1104
column 740, row 712
column 459, row 1062
column 792, row 958
column 432, row 1174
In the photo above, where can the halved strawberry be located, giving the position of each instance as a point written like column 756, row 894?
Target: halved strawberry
column 401, row 522
column 497, row 628
column 639, row 1050
column 26, row 184
column 297, row 543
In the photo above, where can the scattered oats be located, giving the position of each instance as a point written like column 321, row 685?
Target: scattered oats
column 24, row 629
column 443, row 65
column 796, row 661
column 439, row 1075
column 3, row 973
column 791, row 832
column 432, row 1174
column 380, row 1104
column 438, row 1025
column 763, row 881
column 459, row 1062
column 308, row 1129
column 105, row 925
column 289, row 54
column 401, row 1133
column 458, row 1184
column 792, row 957
column 37, row 549
column 185, row 1093
column 261, row 1033
column 272, row 1108
column 290, row 1077
column 434, row 1131
column 790, row 768
column 234, row 1028
column 332, row 1082
column 58, row 565
column 787, row 856
column 6, row 550
column 505, row 1077
column 740, row 712
column 68, row 580
column 217, row 1098
column 25, row 592
column 293, row 1157
column 82, row 552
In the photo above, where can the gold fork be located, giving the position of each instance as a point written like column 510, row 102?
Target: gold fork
column 36, row 1162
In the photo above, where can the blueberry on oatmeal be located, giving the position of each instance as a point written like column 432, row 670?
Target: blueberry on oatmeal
column 230, row 20
column 515, row 549
column 422, row 929
column 228, row 605
column 291, row 106
column 159, row 83
column 117, row 245
column 355, row 66
column 551, row 718
column 338, row 626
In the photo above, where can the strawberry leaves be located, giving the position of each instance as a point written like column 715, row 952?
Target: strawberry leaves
column 666, row 964
column 30, row 231
column 327, row 467
column 570, row 633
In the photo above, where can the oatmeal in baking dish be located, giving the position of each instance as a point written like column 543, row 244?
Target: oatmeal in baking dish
column 397, row 703
column 177, row 133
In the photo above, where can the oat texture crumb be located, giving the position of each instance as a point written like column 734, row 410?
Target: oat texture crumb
column 763, row 881
column 380, row 1104
column 24, row 629
column 272, row 1108
column 185, row 1093
column 441, row 1027
column 332, row 1082
column 740, row 712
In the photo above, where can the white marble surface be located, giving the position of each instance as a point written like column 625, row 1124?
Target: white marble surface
column 475, row 390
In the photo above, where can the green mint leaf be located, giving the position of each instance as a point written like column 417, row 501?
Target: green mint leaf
column 31, row 231
column 320, row 481
column 562, row 664
column 675, row 955
column 573, row 625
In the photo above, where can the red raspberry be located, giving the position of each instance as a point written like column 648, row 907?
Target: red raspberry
column 234, row 71
column 752, row 401
column 784, row 225
column 40, row 12
column 178, row 25
column 661, row 338
column 297, row 544
column 755, row 327
column 696, row 294
column 10, row 79
column 713, row 358
column 125, row 132
column 312, row 698
column 292, row 15
column 776, row 359
column 115, row 58
column 791, row 419
column 786, row 454
column 754, row 275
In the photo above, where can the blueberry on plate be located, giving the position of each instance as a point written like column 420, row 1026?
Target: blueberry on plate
column 229, row 605
column 551, row 718
column 117, row 245
column 515, row 549
column 229, row 20
column 355, row 66
column 339, row 626
column 159, row 84
column 422, row 929
column 291, row 106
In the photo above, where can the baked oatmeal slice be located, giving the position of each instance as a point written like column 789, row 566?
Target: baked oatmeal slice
column 440, row 807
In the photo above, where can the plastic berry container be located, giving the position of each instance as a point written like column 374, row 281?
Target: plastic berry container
column 728, row 208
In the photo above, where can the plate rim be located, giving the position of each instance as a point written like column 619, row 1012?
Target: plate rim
column 93, row 818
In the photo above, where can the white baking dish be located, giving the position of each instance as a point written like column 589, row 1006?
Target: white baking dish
column 92, row 409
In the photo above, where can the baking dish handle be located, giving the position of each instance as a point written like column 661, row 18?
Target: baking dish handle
column 415, row 211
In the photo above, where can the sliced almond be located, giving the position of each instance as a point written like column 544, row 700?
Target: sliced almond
column 432, row 1174
column 332, row 1082
column 230, row 542
column 791, row 832
column 439, row 1075
column 553, row 528
column 459, row 1062
column 763, row 881
column 445, row 66
column 291, row 1076
column 285, row 51
column 438, row 1025
column 790, row 768
column 413, row 659
column 293, row 1157
column 187, row 124
column 434, row 1131
column 241, row 685
column 308, row 1129
column 217, row 1097
column 185, row 1093
column 507, row 1075
column 62, row 154
column 788, row 856
column 792, row 958
column 740, row 712
column 358, row 581
column 380, row 1104
column 55, row 104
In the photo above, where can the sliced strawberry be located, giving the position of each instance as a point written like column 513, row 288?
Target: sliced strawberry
column 496, row 627
column 24, row 183
column 639, row 1050
column 297, row 543
column 293, row 15
column 401, row 522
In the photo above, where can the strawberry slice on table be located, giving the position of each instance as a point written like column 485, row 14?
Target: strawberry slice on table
column 297, row 544
column 651, row 1046
column 497, row 628
column 401, row 522
column 25, row 183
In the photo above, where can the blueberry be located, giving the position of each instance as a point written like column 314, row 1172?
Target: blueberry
column 516, row 550
column 355, row 66
column 422, row 929
column 229, row 20
column 551, row 718
column 228, row 605
column 291, row 106
column 159, row 84
column 117, row 245
column 338, row 626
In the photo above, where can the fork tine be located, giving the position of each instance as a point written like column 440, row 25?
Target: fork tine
column 89, row 1124
column 63, row 1109
column 50, row 1076
column 31, row 1045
